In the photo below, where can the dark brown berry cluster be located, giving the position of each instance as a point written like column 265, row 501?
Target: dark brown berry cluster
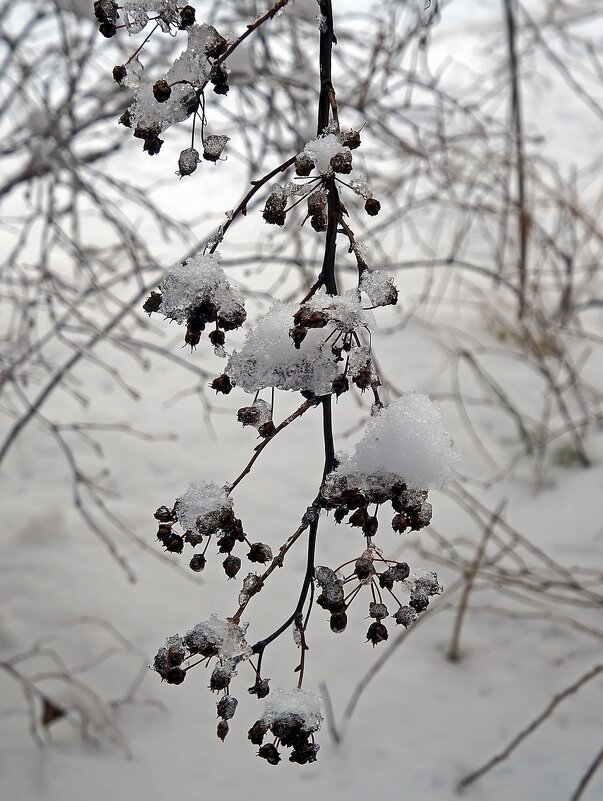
column 289, row 730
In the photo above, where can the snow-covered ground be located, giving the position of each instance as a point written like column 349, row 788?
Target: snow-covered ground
column 423, row 721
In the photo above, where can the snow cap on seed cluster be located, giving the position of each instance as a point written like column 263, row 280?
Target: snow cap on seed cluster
column 406, row 441
column 227, row 638
column 198, row 501
column 268, row 358
column 188, row 284
column 283, row 703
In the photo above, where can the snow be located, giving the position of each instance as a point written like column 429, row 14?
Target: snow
column 186, row 285
column 268, row 357
column 406, row 441
column 379, row 287
column 322, row 149
column 227, row 638
column 199, row 501
column 282, row 703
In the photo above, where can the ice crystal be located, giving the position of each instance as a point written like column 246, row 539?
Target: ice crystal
column 224, row 637
column 299, row 703
column 379, row 287
column 322, row 150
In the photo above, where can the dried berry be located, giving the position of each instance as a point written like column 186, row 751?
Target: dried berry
column 377, row 610
column 222, row 384
column 164, row 515
column 161, row 91
column 377, row 633
column 364, row 568
column 174, row 675
column 231, row 565
column 338, row 622
column 304, row 164
column 267, row 429
column 153, row 302
column 187, row 17
column 400, row 523
column 259, row 553
column 359, row 518
column 405, row 616
column 119, row 73
column 217, row 338
column 198, row 562
column 342, row 162
column 220, row 678
column 222, row 729
column 372, row 206
column 270, row 753
column 226, row 707
column 351, row 139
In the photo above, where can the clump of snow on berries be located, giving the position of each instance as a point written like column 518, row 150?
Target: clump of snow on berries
column 405, row 441
column 191, row 69
column 268, row 358
column 281, row 704
column 223, row 638
column 360, row 186
column 200, row 501
column 198, row 280
column 322, row 149
column 344, row 311
column 379, row 287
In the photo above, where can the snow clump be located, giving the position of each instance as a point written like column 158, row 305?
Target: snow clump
column 406, row 441
column 199, row 280
column 200, row 501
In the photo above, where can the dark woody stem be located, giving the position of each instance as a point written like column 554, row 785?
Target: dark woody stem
column 327, row 278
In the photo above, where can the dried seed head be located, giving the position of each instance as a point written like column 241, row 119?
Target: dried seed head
column 220, row 678
column 269, row 752
column 351, row 139
column 174, row 543
column 161, row 91
column 405, row 616
column 267, row 429
column 226, row 707
column 164, row 515
column 107, row 29
column 153, row 302
column 119, row 73
column 261, row 688
column 152, row 145
column 377, row 633
column 319, row 222
column 338, row 622
column 372, row 206
column 304, row 164
column 222, row 729
column 222, row 384
column 317, row 201
column 360, row 517
column 298, row 334
column 340, row 384
column 187, row 17
column 342, row 162
column 400, row 523
column 257, row 732
column 218, row 45
column 198, row 562
column 340, row 514
column 213, row 146
column 187, row 161
column 259, row 553
column 364, row 568
column 370, row 527
column 231, row 565
column 378, row 611
column 174, row 675
column 217, row 338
